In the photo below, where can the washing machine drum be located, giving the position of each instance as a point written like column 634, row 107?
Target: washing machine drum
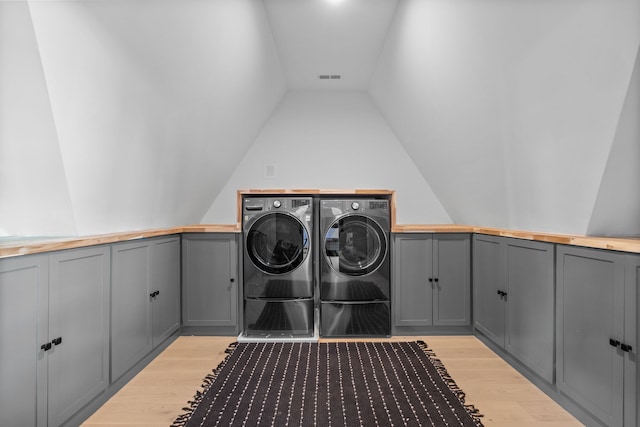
column 355, row 245
column 277, row 243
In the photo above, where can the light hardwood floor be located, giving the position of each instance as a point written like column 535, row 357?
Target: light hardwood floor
column 156, row 396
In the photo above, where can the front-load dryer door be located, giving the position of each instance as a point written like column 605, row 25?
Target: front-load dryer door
column 277, row 243
column 355, row 245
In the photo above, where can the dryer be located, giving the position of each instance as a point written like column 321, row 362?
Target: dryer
column 354, row 259
column 278, row 279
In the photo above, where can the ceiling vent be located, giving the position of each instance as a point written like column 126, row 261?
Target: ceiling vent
column 329, row 76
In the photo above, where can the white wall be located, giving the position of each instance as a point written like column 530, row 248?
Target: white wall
column 331, row 140
column 121, row 115
column 153, row 105
column 33, row 188
column 509, row 109
column 617, row 209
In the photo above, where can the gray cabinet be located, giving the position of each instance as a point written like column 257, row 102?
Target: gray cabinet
column 164, row 266
column 78, row 330
column 130, row 307
column 489, row 281
column 596, row 330
column 632, row 323
column 431, row 282
column 514, row 299
column 210, row 300
column 530, row 305
column 54, row 357
column 24, row 284
column 145, row 299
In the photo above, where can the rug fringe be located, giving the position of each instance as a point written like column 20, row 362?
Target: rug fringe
column 182, row 419
column 444, row 374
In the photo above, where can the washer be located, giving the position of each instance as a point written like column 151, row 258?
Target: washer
column 278, row 266
column 354, row 258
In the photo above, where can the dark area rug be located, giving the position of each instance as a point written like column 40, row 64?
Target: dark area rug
column 329, row 384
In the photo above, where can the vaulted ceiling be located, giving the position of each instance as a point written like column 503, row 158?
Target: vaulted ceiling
column 342, row 39
column 121, row 115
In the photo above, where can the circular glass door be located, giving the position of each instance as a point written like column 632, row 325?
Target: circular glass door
column 277, row 243
column 355, row 245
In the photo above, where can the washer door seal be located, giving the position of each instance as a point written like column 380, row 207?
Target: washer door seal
column 277, row 243
column 355, row 245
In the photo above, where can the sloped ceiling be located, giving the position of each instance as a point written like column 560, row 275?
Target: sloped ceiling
column 510, row 109
column 154, row 103
column 331, row 38
column 139, row 114
column 337, row 139
column 29, row 198
column 617, row 208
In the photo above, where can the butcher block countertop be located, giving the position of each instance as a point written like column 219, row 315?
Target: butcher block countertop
column 609, row 243
column 15, row 246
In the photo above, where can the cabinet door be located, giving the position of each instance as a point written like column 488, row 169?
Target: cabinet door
column 23, row 329
column 452, row 275
column 489, row 272
column 165, row 280
column 632, row 338
column 590, row 299
column 530, row 334
column 210, row 292
column 78, row 316
column 413, row 291
column 130, row 306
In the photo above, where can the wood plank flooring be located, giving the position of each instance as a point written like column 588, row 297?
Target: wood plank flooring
column 156, row 396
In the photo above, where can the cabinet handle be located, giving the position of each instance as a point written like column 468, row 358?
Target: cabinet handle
column 626, row 348
column 614, row 343
column 46, row 347
column 232, row 280
column 57, row 341
column 436, row 280
column 502, row 294
column 430, row 279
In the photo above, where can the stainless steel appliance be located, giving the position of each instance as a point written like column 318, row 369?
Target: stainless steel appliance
column 354, row 267
column 278, row 266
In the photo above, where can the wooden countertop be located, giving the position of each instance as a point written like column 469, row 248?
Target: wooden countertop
column 431, row 228
column 211, row 228
column 609, row 243
column 32, row 245
column 316, row 191
column 391, row 194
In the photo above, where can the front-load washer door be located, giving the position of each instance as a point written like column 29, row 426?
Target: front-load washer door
column 277, row 243
column 355, row 245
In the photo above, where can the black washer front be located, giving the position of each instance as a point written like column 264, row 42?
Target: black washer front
column 277, row 243
column 355, row 245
